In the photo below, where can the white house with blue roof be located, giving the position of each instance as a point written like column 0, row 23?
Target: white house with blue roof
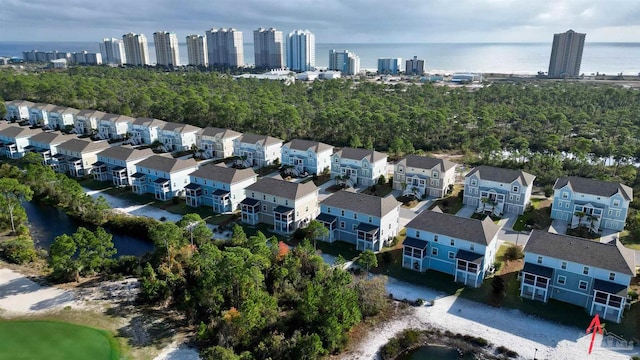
column 462, row 247
column 367, row 221
column 586, row 273
column 498, row 190
column 163, row 176
column 353, row 166
column 306, row 156
column 592, row 203
column 218, row 187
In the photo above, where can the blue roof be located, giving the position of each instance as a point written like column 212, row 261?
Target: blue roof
column 415, row 243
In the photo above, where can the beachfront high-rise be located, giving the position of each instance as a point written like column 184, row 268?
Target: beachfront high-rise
column 197, row 50
column 301, row 50
column 167, row 53
column 112, row 51
column 390, row 66
column 414, row 66
column 566, row 54
column 225, row 47
column 344, row 61
column 136, row 49
column 268, row 48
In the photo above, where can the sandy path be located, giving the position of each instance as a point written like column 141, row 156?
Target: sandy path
column 21, row 296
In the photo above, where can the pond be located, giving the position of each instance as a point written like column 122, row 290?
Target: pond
column 434, row 353
column 46, row 222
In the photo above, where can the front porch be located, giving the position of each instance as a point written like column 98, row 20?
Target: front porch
column 368, row 237
column 587, row 215
column 162, row 189
column 331, row 223
column 250, row 211
column 100, row 171
column 75, row 168
column 193, row 193
column 491, row 201
column 119, row 176
column 139, row 182
column 414, row 253
column 416, row 186
column 535, row 282
column 221, row 201
column 283, row 217
column 609, row 300
column 469, row 268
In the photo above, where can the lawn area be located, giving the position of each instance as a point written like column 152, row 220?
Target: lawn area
column 347, row 250
column 452, row 203
column 537, row 218
column 53, row 340
column 629, row 241
column 378, row 190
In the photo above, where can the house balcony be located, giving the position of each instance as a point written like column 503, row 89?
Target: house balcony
column 221, row 201
column 59, row 163
column 491, row 202
column 468, row 268
column 136, row 138
column 415, row 187
column 609, row 300
column 162, row 189
column 100, row 171
column 11, row 150
column 587, row 215
column 75, row 168
column 367, row 237
column 414, row 251
column 283, row 219
column 349, row 175
column 119, row 176
column 139, row 183
column 193, row 193
column 330, row 222
column 250, row 211
column 46, row 156
column 535, row 282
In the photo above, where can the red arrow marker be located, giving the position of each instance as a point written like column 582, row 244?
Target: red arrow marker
column 594, row 328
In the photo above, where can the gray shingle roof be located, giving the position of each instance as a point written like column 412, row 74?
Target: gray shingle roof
column 43, row 106
column 264, row 140
column 166, row 163
column 426, row 162
column 116, row 118
column 223, row 174
column 219, row 132
column 362, row 203
column 594, row 187
column 611, row 256
column 304, row 145
column 91, row 113
column 181, row 128
column 502, row 175
column 282, row 188
column 80, row 145
column 19, row 103
column 19, row 132
column 148, row 122
column 477, row 231
column 65, row 110
column 50, row 137
column 359, row 154
column 125, row 153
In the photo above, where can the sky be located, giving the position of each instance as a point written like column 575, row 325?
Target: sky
column 332, row 21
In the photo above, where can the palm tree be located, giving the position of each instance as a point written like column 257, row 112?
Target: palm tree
column 580, row 215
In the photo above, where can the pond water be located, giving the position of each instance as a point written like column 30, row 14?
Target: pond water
column 46, row 222
column 434, row 353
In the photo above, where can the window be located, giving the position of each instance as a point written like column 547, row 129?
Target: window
column 286, row 202
column 616, row 203
column 539, row 260
column 341, row 224
column 515, row 189
column 400, row 169
column 328, row 210
column 336, row 160
column 612, row 276
column 370, row 219
column 274, row 199
column 453, row 242
column 354, row 227
column 563, row 265
column 435, row 174
column 206, row 192
column 355, row 216
column 565, row 195
column 451, row 255
column 364, row 165
column 585, row 270
column 418, row 234
column 434, row 251
column 618, row 213
column 582, row 285
column 474, row 182
column 264, row 197
column 342, row 213
column 562, row 280
column 253, row 195
column 472, row 247
column 435, row 238
column 264, row 207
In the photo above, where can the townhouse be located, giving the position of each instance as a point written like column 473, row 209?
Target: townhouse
column 18, row 110
column 592, row 203
column 367, row 221
column 218, row 187
column 358, row 167
column 113, row 126
column 15, row 139
column 163, row 176
column 423, row 176
column 87, row 121
column 285, row 205
column 118, row 163
column 587, row 273
column 256, row 150
column 62, row 117
column 306, row 156
column 39, row 114
column 46, row 144
column 497, row 190
column 145, row 131
column 217, row 143
column 77, row 156
column 462, row 247
column 178, row 137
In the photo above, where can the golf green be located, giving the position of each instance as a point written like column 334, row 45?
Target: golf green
column 54, row 340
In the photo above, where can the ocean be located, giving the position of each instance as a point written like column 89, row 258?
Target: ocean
column 510, row 58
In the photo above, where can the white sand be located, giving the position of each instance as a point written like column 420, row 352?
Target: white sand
column 176, row 351
column 21, row 296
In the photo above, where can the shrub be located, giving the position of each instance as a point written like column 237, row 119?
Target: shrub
column 19, row 250
column 548, row 190
column 419, row 302
column 513, row 253
column 478, row 341
column 633, row 294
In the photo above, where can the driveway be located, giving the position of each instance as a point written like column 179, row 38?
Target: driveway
column 507, row 234
column 466, row 211
column 559, row 227
column 407, row 214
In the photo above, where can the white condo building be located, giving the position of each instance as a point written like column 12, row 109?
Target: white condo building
column 268, row 47
column 136, row 49
column 344, row 61
column 166, row 44
column 301, row 50
column 197, row 50
column 112, row 51
column 225, row 47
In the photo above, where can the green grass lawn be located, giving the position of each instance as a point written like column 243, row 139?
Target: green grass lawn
column 52, row 340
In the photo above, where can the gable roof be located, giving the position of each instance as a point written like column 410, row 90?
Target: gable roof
column 116, row 118
column 148, row 122
column 362, row 203
column 166, row 163
column 502, row 175
column 80, row 145
column 222, row 133
column 51, row 137
column 19, row 103
column 65, row 110
column 360, row 154
column 593, row 186
column 263, row 140
column 611, row 256
column 427, row 162
column 304, row 145
column 43, row 106
column 125, row 153
column 478, row 231
column 19, row 132
column 179, row 127
column 91, row 113
column 223, row 174
column 282, row 188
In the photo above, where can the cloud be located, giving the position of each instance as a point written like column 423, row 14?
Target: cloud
column 331, row 20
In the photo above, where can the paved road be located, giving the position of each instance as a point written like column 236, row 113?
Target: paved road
column 466, row 211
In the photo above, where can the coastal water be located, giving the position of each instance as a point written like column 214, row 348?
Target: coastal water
column 46, row 222
column 516, row 58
